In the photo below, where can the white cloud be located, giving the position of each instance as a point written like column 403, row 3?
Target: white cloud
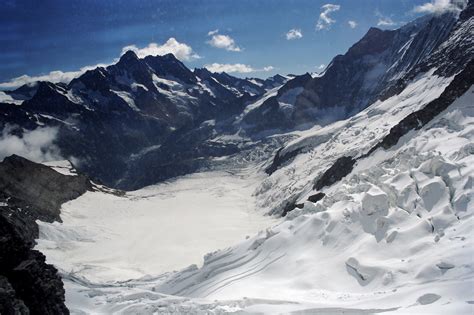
column 222, row 41
column 236, row 68
column 352, row 24
column 179, row 50
column 294, row 34
column 54, row 76
column 385, row 21
column 440, row 6
column 36, row 145
column 325, row 21
column 321, row 67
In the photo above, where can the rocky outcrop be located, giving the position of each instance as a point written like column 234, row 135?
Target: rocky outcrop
column 37, row 186
column 30, row 192
column 280, row 159
column 27, row 284
column 342, row 167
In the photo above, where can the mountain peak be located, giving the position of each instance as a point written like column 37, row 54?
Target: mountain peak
column 169, row 56
column 373, row 42
column 129, row 55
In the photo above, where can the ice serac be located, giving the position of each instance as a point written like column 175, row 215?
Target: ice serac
column 30, row 192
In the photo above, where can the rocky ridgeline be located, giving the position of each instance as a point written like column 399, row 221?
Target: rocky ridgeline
column 28, row 192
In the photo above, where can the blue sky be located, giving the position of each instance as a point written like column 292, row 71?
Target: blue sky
column 250, row 37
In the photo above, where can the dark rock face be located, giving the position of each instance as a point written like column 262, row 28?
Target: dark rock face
column 280, row 159
column 316, row 197
column 27, row 283
column 342, row 167
column 38, row 186
column 28, row 192
column 9, row 304
column 266, row 117
column 270, row 115
column 185, row 153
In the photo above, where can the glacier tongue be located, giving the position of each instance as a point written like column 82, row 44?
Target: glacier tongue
column 107, row 237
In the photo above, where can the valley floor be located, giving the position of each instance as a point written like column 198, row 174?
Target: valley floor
column 105, row 238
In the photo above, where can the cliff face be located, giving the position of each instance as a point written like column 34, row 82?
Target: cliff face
column 38, row 186
column 28, row 192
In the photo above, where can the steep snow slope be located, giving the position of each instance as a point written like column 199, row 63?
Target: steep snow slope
column 318, row 148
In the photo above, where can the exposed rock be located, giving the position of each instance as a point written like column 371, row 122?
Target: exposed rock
column 316, row 197
column 9, row 304
column 30, row 191
column 27, row 283
column 342, row 167
column 280, row 159
column 37, row 186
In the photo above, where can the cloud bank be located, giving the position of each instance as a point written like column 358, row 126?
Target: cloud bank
column 441, row 6
column 36, row 145
column 181, row 51
column 325, row 21
column 235, row 68
column 294, row 34
column 384, row 20
column 54, row 76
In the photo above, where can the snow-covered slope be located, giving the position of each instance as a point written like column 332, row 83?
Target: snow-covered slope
column 393, row 236
column 318, row 148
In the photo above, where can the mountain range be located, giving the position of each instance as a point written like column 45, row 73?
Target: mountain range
column 368, row 162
